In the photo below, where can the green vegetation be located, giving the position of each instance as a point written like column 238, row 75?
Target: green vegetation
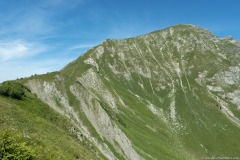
column 10, row 148
column 13, row 89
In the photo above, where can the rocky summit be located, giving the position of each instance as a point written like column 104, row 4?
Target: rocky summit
column 169, row 94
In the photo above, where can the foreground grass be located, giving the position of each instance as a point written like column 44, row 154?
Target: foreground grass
column 45, row 131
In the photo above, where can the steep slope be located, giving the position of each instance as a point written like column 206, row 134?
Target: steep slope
column 170, row 94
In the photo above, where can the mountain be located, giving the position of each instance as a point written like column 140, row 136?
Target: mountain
column 169, row 94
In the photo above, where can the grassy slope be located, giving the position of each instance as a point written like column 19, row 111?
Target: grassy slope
column 208, row 132
column 47, row 131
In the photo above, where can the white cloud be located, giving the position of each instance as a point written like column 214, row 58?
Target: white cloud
column 81, row 46
column 33, row 24
column 26, row 23
column 23, row 52
column 18, row 49
column 11, row 70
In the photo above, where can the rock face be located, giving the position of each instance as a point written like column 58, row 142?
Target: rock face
column 169, row 94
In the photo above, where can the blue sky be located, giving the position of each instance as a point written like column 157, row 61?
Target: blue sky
column 39, row 36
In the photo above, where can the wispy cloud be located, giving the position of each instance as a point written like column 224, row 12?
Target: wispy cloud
column 11, row 70
column 19, row 49
column 82, row 46
column 25, row 23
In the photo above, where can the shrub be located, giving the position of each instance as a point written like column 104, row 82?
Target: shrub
column 11, row 149
column 13, row 90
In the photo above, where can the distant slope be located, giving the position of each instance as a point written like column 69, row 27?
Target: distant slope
column 169, row 94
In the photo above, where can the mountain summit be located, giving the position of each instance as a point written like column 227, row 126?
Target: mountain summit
column 169, row 94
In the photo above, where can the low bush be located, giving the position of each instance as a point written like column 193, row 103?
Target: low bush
column 12, row 89
column 10, row 148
